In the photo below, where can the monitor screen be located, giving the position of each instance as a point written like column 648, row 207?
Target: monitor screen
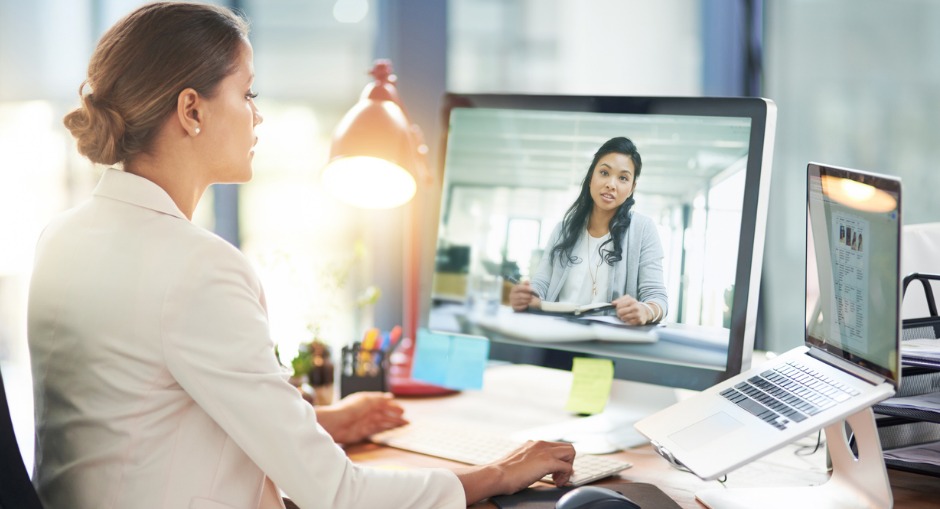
column 515, row 164
column 852, row 266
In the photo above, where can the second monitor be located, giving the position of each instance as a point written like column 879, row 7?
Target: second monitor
column 515, row 163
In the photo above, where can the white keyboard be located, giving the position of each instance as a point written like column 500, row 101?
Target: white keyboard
column 468, row 445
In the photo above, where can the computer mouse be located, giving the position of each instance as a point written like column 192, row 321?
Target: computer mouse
column 594, row 497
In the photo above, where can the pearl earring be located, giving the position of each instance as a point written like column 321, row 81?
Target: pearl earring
column 198, row 130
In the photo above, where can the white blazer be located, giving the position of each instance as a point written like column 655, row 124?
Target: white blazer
column 155, row 379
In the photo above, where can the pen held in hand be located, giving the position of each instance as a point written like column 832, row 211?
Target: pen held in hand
column 517, row 282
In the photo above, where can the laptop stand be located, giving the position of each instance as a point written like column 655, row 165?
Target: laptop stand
column 856, row 482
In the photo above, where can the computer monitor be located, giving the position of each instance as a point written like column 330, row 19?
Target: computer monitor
column 513, row 164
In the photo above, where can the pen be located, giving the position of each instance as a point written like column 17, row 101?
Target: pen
column 517, row 282
column 394, row 338
column 383, row 344
column 365, row 352
column 368, row 342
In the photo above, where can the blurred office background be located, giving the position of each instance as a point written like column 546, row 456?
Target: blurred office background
column 855, row 81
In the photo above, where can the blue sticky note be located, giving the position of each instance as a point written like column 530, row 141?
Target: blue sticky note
column 455, row 361
column 431, row 357
column 468, row 356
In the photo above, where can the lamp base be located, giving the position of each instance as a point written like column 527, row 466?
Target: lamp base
column 409, row 387
column 400, row 382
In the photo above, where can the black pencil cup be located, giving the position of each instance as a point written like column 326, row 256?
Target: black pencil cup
column 363, row 370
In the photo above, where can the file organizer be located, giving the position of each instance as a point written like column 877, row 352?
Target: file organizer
column 905, row 427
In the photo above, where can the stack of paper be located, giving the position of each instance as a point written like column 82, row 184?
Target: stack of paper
column 921, row 352
column 920, row 453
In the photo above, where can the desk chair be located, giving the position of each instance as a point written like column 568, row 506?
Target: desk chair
column 920, row 252
column 16, row 490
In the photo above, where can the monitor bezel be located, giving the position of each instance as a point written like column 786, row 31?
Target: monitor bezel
column 762, row 113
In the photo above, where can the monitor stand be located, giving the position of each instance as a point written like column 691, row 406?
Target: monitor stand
column 856, row 482
column 611, row 430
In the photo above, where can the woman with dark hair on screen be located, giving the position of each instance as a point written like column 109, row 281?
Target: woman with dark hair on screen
column 603, row 251
column 155, row 378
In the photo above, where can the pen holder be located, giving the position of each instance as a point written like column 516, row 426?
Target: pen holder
column 363, row 370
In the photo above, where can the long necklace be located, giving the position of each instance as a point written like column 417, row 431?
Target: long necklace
column 597, row 269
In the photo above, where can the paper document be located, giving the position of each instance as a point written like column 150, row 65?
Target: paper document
column 575, row 309
column 923, row 348
column 925, row 453
column 921, row 352
column 551, row 329
column 929, row 402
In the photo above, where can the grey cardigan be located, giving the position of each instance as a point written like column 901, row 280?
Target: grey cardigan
column 639, row 273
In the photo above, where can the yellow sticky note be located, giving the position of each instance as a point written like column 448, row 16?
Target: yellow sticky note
column 590, row 385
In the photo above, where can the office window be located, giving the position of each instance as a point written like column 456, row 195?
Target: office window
column 311, row 61
column 865, row 98
column 594, row 47
column 521, row 235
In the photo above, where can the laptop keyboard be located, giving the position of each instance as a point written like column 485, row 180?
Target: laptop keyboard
column 788, row 393
column 465, row 444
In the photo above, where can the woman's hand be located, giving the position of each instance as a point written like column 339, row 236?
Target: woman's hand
column 522, row 296
column 632, row 311
column 359, row 416
column 518, row 470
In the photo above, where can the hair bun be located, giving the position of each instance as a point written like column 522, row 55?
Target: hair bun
column 97, row 129
column 140, row 66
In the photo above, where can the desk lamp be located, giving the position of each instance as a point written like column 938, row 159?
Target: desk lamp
column 377, row 146
column 375, row 143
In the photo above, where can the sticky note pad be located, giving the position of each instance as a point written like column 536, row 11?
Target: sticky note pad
column 591, row 381
column 432, row 354
column 455, row 361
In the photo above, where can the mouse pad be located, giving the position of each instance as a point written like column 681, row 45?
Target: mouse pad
column 646, row 495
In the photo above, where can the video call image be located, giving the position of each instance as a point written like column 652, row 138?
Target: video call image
column 510, row 176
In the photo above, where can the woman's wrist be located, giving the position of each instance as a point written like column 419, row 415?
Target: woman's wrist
column 655, row 312
column 482, row 482
column 658, row 312
column 650, row 314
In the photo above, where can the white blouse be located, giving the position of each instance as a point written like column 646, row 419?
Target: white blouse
column 589, row 279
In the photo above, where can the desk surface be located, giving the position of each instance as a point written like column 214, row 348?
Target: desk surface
column 521, row 397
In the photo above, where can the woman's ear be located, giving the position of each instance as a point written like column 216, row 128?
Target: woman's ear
column 188, row 104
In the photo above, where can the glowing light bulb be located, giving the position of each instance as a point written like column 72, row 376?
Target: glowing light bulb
column 369, row 182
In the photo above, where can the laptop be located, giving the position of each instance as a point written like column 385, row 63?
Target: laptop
column 850, row 359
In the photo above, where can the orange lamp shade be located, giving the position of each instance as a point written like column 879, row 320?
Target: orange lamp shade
column 374, row 152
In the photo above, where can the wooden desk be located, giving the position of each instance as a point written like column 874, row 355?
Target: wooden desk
column 522, row 397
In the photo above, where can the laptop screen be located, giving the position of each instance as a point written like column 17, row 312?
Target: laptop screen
column 852, row 267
